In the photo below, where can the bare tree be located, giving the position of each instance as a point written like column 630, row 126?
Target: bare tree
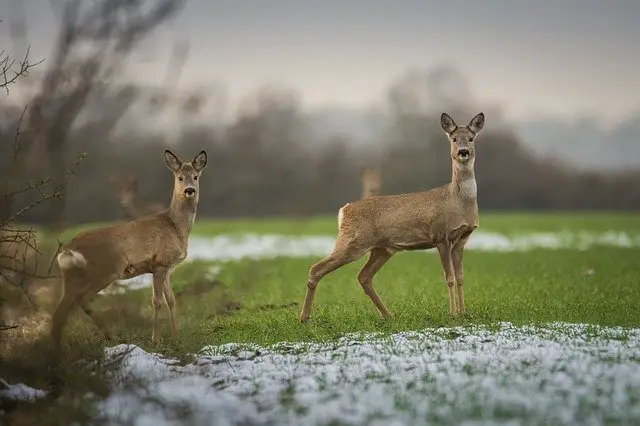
column 93, row 43
column 19, row 252
column 13, row 69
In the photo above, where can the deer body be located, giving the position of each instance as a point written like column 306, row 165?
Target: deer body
column 441, row 218
column 154, row 244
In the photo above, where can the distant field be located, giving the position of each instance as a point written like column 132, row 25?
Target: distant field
column 502, row 222
column 257, row 302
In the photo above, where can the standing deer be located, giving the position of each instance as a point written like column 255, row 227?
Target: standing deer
column 125, row 189
column 441, row 218
column 371, row 182
column 154, row 244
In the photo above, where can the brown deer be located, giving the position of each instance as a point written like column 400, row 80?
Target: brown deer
column 125, row 189
column 154, row 244
column 371, row 183
column 441, row 218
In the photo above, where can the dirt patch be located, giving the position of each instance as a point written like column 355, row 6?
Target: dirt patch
column 200, row 287
column 272, row 307
column 217, row 293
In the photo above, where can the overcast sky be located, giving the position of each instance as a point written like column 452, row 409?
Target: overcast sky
column 541, row 57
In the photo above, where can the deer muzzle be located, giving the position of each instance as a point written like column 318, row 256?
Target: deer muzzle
column 463, row 155
column 190, row 192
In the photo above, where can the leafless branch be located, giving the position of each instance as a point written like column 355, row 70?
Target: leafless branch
column 13, row 69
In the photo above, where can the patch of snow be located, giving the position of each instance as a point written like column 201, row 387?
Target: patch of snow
column 553, row 374
column 19, row 392
column 225, row 248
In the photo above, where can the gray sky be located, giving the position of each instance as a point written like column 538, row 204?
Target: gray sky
column 542, row 57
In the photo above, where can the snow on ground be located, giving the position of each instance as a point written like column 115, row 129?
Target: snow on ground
column 224, row 248
column 553, row 374
column 19, row 391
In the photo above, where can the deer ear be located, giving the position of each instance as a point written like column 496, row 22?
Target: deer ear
column 173, row 163
column 200, row 161
column 477, row 123
column 447, row 123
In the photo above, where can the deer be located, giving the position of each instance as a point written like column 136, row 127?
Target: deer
column 125, row 189
column 371, row 182
column 154, row 244
column 441, row 218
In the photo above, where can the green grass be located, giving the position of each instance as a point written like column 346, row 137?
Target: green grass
column 259, row 301
column 531, row 287
column 527, row 287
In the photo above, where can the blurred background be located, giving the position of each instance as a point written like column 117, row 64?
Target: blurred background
column 296, row 102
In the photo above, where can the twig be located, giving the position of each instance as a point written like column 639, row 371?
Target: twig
column 5, row 327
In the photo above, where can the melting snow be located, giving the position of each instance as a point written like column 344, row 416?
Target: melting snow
column 19, row 391
column 553, row 374
column 224, row 248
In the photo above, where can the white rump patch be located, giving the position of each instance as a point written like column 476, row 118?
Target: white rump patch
column 70, row 258
column 341, row 215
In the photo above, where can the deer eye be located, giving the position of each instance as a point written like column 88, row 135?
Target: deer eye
column 470, row 139
column 454, row 139
column 180, row 178
column 195, row 177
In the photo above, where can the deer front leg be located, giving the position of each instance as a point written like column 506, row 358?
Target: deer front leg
column 159, row 278
column 170, row 298
column 444, row 251
column 456, row 257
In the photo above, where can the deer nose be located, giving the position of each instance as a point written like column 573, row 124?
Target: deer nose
column 463, row 152
column 190, row 191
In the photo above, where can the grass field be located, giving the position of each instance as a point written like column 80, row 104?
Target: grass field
column 551, row 334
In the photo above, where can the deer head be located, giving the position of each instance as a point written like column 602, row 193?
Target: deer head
column 371, row 182
column 125, row 188
column 462, row 138
column 186, row 175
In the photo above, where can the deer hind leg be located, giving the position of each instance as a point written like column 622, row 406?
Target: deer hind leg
column 337, row 259
column 170, row 299
column 84, row 302
column 159, row 278
column 444, row 251
column 377, row 259
column 456, row 258
column 59, row 319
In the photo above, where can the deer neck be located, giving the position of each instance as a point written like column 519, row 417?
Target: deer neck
column 463, row 181
column 183, row 213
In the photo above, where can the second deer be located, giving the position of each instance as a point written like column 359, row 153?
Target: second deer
column 441, row 218
column 371, row 183
column 125, row 189
column 154, row 244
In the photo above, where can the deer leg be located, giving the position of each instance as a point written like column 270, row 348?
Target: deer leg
column 376, row 261
column 84, row 303
column 59, row 319
column 159, row 277
column 447, row 265
column 170, row 298
column 456, row 258
column 335, row 260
